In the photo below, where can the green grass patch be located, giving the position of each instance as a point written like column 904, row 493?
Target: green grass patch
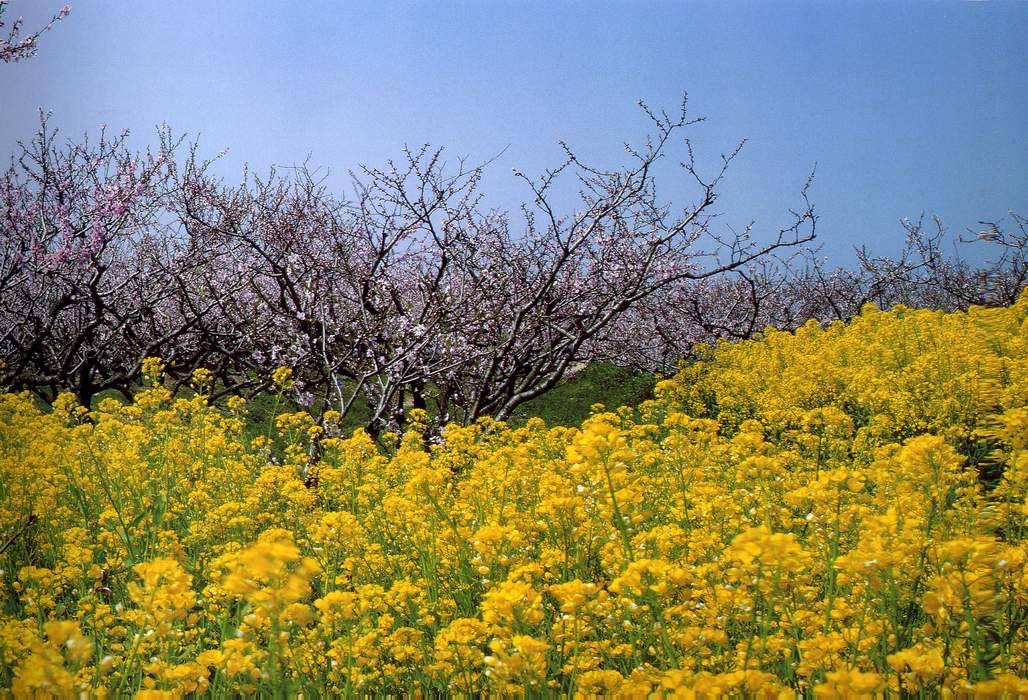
column 570, row 402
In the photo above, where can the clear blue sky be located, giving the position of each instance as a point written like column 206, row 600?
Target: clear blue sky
column 905, row 106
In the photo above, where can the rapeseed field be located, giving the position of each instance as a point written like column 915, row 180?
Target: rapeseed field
column 835, row 512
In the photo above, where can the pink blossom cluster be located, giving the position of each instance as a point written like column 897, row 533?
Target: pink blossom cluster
column 18, row 47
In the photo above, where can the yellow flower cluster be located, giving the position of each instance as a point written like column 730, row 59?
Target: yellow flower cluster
column 835, row 512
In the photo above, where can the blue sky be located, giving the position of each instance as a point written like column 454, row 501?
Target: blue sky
column 905, row 106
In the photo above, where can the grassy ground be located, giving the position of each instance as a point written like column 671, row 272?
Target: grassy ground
column 569, row 403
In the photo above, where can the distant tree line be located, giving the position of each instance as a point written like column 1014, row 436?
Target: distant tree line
column 935, row 269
